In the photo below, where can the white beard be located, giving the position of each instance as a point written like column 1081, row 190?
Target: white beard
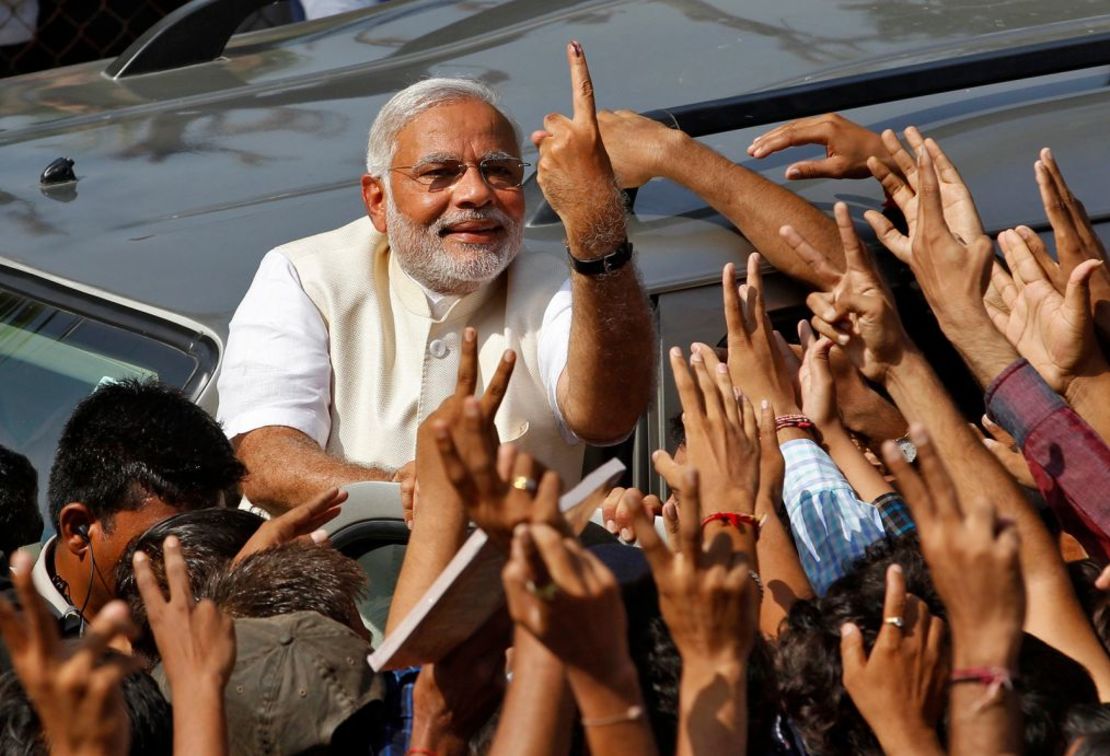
column 422, row 254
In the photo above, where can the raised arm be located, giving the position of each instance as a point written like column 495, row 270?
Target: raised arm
column 197, row 644
column 973, row 556
column 859, row 314
column 611, row 349
column 642, row 149
column 440, row 520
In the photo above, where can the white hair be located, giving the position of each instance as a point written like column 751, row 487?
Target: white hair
column 411, row 102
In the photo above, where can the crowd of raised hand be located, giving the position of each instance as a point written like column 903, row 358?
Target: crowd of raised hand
column 845, row 564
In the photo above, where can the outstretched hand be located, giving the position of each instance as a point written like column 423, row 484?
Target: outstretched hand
column 78, row 696
column 574, row 171
column 722, row 436
column 858, row 314
column 431, row 475
column 1075, row 237
column 1055, row 333
column 899, row 687
column 707, row 595
column 904, row 187
column 756, row 364
column 972, row 555
column 303, row 521
column 498, row 487
column 847, row 147
column 946, row 248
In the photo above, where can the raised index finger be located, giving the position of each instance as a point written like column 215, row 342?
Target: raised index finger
column 582, row 87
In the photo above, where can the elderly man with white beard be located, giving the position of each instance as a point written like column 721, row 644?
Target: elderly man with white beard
column 347, row 341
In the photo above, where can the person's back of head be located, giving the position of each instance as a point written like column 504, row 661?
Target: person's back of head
column 810, row 674
column 293, row 577
column 20, row 519
column 1050, row 685
column 1095, row 602
column 210, row 539
column 149, row 713
column 131, row 440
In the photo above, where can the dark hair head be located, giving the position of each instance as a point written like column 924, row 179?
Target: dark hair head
column 293, row 577
column 676, row 429
column 150, row 714
column 1087, row 719
column 20, row 519
column 133, row 439
column 1051, row 684
column 808, row 654
column 210, row 539
column 1095, row 603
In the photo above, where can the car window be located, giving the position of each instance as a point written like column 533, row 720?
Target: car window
column 51, row 358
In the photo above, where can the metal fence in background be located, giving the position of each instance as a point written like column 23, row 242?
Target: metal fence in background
column 39, row 34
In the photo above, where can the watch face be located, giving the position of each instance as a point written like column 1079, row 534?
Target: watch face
column 909, row 451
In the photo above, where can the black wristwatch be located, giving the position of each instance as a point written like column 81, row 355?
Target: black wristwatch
column 602, row 266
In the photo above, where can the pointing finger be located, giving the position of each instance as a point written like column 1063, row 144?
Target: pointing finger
column 582, row 87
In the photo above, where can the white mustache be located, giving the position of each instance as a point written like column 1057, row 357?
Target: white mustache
column 445, row 222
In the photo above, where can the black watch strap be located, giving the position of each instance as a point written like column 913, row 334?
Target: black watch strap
column 601, row 266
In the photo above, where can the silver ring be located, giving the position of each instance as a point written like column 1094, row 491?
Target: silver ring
column 524, row 483
column 898, row 622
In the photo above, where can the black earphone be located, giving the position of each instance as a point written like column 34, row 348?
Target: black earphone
column 83, row 531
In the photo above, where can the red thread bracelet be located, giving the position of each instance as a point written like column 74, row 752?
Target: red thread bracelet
column 735, row 519
column 996, row 679
column 793, row 421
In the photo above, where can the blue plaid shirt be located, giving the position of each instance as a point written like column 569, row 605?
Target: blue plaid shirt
column 396, row 731
column 897, row 520
column 831, row 527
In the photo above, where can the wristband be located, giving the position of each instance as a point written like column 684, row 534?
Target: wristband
column 634, row 713
column 735, row 519
column 601, row 266
column 793, row 421
column 996, row 679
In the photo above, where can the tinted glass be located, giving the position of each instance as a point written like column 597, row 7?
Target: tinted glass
column 50, row 359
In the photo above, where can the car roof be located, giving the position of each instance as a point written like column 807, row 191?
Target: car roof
column 187, row 177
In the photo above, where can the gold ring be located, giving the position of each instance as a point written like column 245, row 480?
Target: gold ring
column 898, row 622
column 524, row 483
column 545, row 592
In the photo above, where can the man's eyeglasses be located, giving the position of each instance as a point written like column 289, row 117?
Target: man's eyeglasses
column 498, row 173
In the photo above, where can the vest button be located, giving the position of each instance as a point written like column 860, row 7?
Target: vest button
column 438, row 349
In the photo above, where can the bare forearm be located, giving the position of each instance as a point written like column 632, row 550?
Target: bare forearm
column 199, row 720
column 287, row 468
column 607, row 705
column 784, row 580
column 713, row 709
column 863, row 476
column 539, row 708
column 756, row 206
column 610, row 361
column 978, row 724
column 1054, row 614
column 439, row 528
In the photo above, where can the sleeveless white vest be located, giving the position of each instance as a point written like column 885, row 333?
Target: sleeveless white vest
column 393, row 363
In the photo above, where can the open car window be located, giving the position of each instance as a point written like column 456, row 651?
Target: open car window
column 52, row 357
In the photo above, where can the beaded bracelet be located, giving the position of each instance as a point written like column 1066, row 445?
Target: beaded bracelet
column 793, row 421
